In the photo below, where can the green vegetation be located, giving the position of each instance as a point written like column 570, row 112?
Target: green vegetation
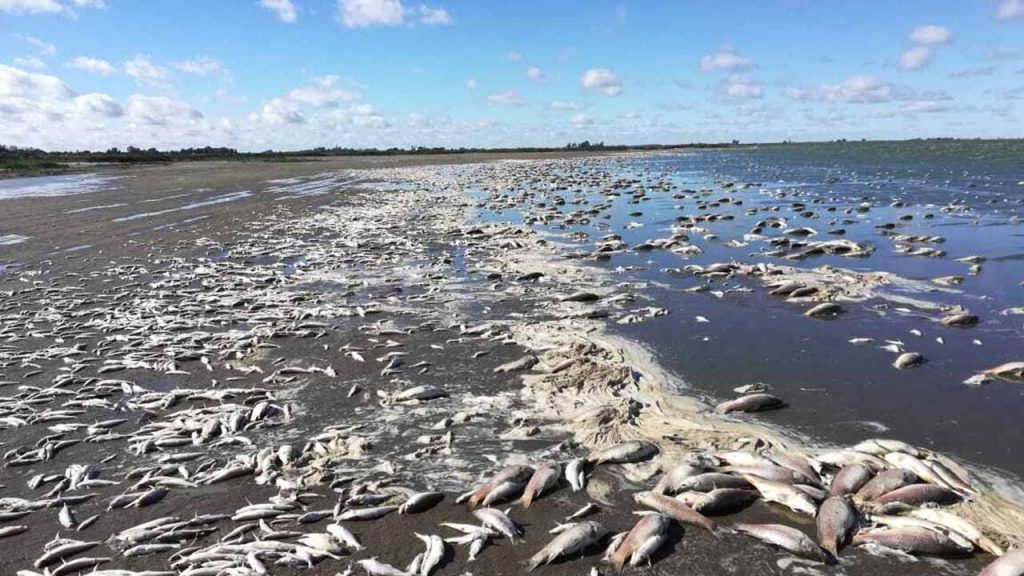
column 26, row 161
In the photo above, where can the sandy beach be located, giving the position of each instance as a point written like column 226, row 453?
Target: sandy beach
column 252, row 352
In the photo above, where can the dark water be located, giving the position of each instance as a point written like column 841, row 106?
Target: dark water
column 838, row 392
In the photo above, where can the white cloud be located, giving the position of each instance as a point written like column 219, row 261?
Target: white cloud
column 93, row 65
column 563, row 105
column 363, row 13
column 536, row 74
column 740, row 86
column 29, row 62
column 46, row 48
column 323, row 91
column 20, row 84
column 631, row 115
column 31, row 6
column 973, row 72
column 916, row 58
column 581, row 120
column 278, row 112
column 144, row 71
column 931, row 34
column 602, row 80
column 159, row 110
column 514, row 56
column 853, row 90
column 200, row 66
column 725, row 59
column 925, row 107
column 96, row 104
column 1010, row 9
column 283, row 9
column 434, row 16
column 507, row 98
column 472, row 84
column 364, row 115
column 47, row 6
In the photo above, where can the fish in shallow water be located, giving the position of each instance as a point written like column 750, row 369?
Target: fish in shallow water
column 752, row 403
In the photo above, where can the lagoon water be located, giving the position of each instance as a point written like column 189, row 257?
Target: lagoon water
column 969, row 193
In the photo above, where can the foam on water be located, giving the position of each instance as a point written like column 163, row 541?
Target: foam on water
column 223, row 198
column 43, row 186
column 317, row 185
column 11, row 239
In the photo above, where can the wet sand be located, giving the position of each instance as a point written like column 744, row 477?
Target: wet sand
column 373, row 269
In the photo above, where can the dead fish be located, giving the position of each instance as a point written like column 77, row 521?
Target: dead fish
column 416, row 393
column 918, row 494
column 674, row 509
column 367, row 513
column 374, row 567
column 719, row 500
column 576, row 539
column 673, row 480
column 751, row 403
column 587, row 508
column 1011, row 372
column 420, row 501
column 959, row 320
column 912, row 541
column 433, row 555
column 581, row 296
column 824, row 310
column 575, row 474
column 63, row 551
column 502, row 492
column 907, row 360
column 850, row 479
column 954, row 523
column 836, row 521
column 498, row 521
column 344, row 536
column 713, row 480
column 789, row 539
column 524, row 363
column 515, row 473
column 1011, row 564
column 78, row 565
column 642, row 541
column 7, row 531
column 626, row 452
column 544, row 478
column 783, row 493
column 884, row 482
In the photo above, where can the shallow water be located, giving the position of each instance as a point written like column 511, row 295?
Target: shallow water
column 837, row 392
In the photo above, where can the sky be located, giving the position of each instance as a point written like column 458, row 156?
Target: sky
column 294, row 74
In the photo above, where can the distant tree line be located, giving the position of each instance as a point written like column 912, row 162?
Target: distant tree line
column 21, row 159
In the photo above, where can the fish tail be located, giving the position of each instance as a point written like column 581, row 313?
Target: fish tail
column 477, row 498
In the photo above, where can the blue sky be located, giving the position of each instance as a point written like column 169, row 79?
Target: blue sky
column 257, row 74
